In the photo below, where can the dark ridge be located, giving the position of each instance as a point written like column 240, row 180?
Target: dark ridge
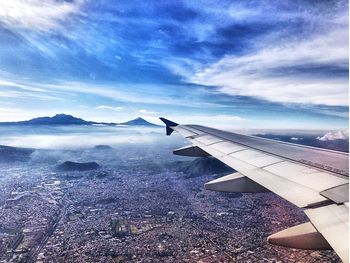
column 206, row 165
column 103, row 147
column 64, row 119
column 58, row 119
column 11, row 154
column 75, row 166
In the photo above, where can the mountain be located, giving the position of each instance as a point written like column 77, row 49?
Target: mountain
column 75, row 166
column 58, row 119
column 207, row 165
column 64, row 119
column 138, row 122
column 103, row 147
column 10, row 154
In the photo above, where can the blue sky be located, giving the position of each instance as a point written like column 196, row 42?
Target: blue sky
column 239, row 64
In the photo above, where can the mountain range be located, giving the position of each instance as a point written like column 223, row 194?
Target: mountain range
column 64, row 119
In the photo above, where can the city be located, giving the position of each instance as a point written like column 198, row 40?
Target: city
column 145, row 208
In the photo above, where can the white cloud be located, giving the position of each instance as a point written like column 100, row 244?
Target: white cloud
column 144, row 111
column 343, row 114
column 218, row 121
column 334, row 135
column 27, row 94
column 79, row 140
column 103, row 107
column 37, row 15
column 29, row 88
column 261, row 74
column 117, row 57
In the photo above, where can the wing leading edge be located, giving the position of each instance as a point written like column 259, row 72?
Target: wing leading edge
column 311, row 178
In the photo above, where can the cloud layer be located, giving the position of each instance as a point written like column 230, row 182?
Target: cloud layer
column 295, row 73
column 335, row 135
column 312, row 69
column 37, row 15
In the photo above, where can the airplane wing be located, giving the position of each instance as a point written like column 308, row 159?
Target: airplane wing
column 314, row 179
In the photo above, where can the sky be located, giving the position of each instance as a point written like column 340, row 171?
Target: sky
column 238, row 64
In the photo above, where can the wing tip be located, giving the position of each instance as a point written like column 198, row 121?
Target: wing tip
column 169, row 124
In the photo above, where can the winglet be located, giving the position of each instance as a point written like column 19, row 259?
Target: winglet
column 168, row 124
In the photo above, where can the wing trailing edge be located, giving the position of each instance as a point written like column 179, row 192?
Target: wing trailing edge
column 303, row 236
column 191, row 151
column 235, row 183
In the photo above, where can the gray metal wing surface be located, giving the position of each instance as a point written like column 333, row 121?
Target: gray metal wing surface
column 311, row 178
